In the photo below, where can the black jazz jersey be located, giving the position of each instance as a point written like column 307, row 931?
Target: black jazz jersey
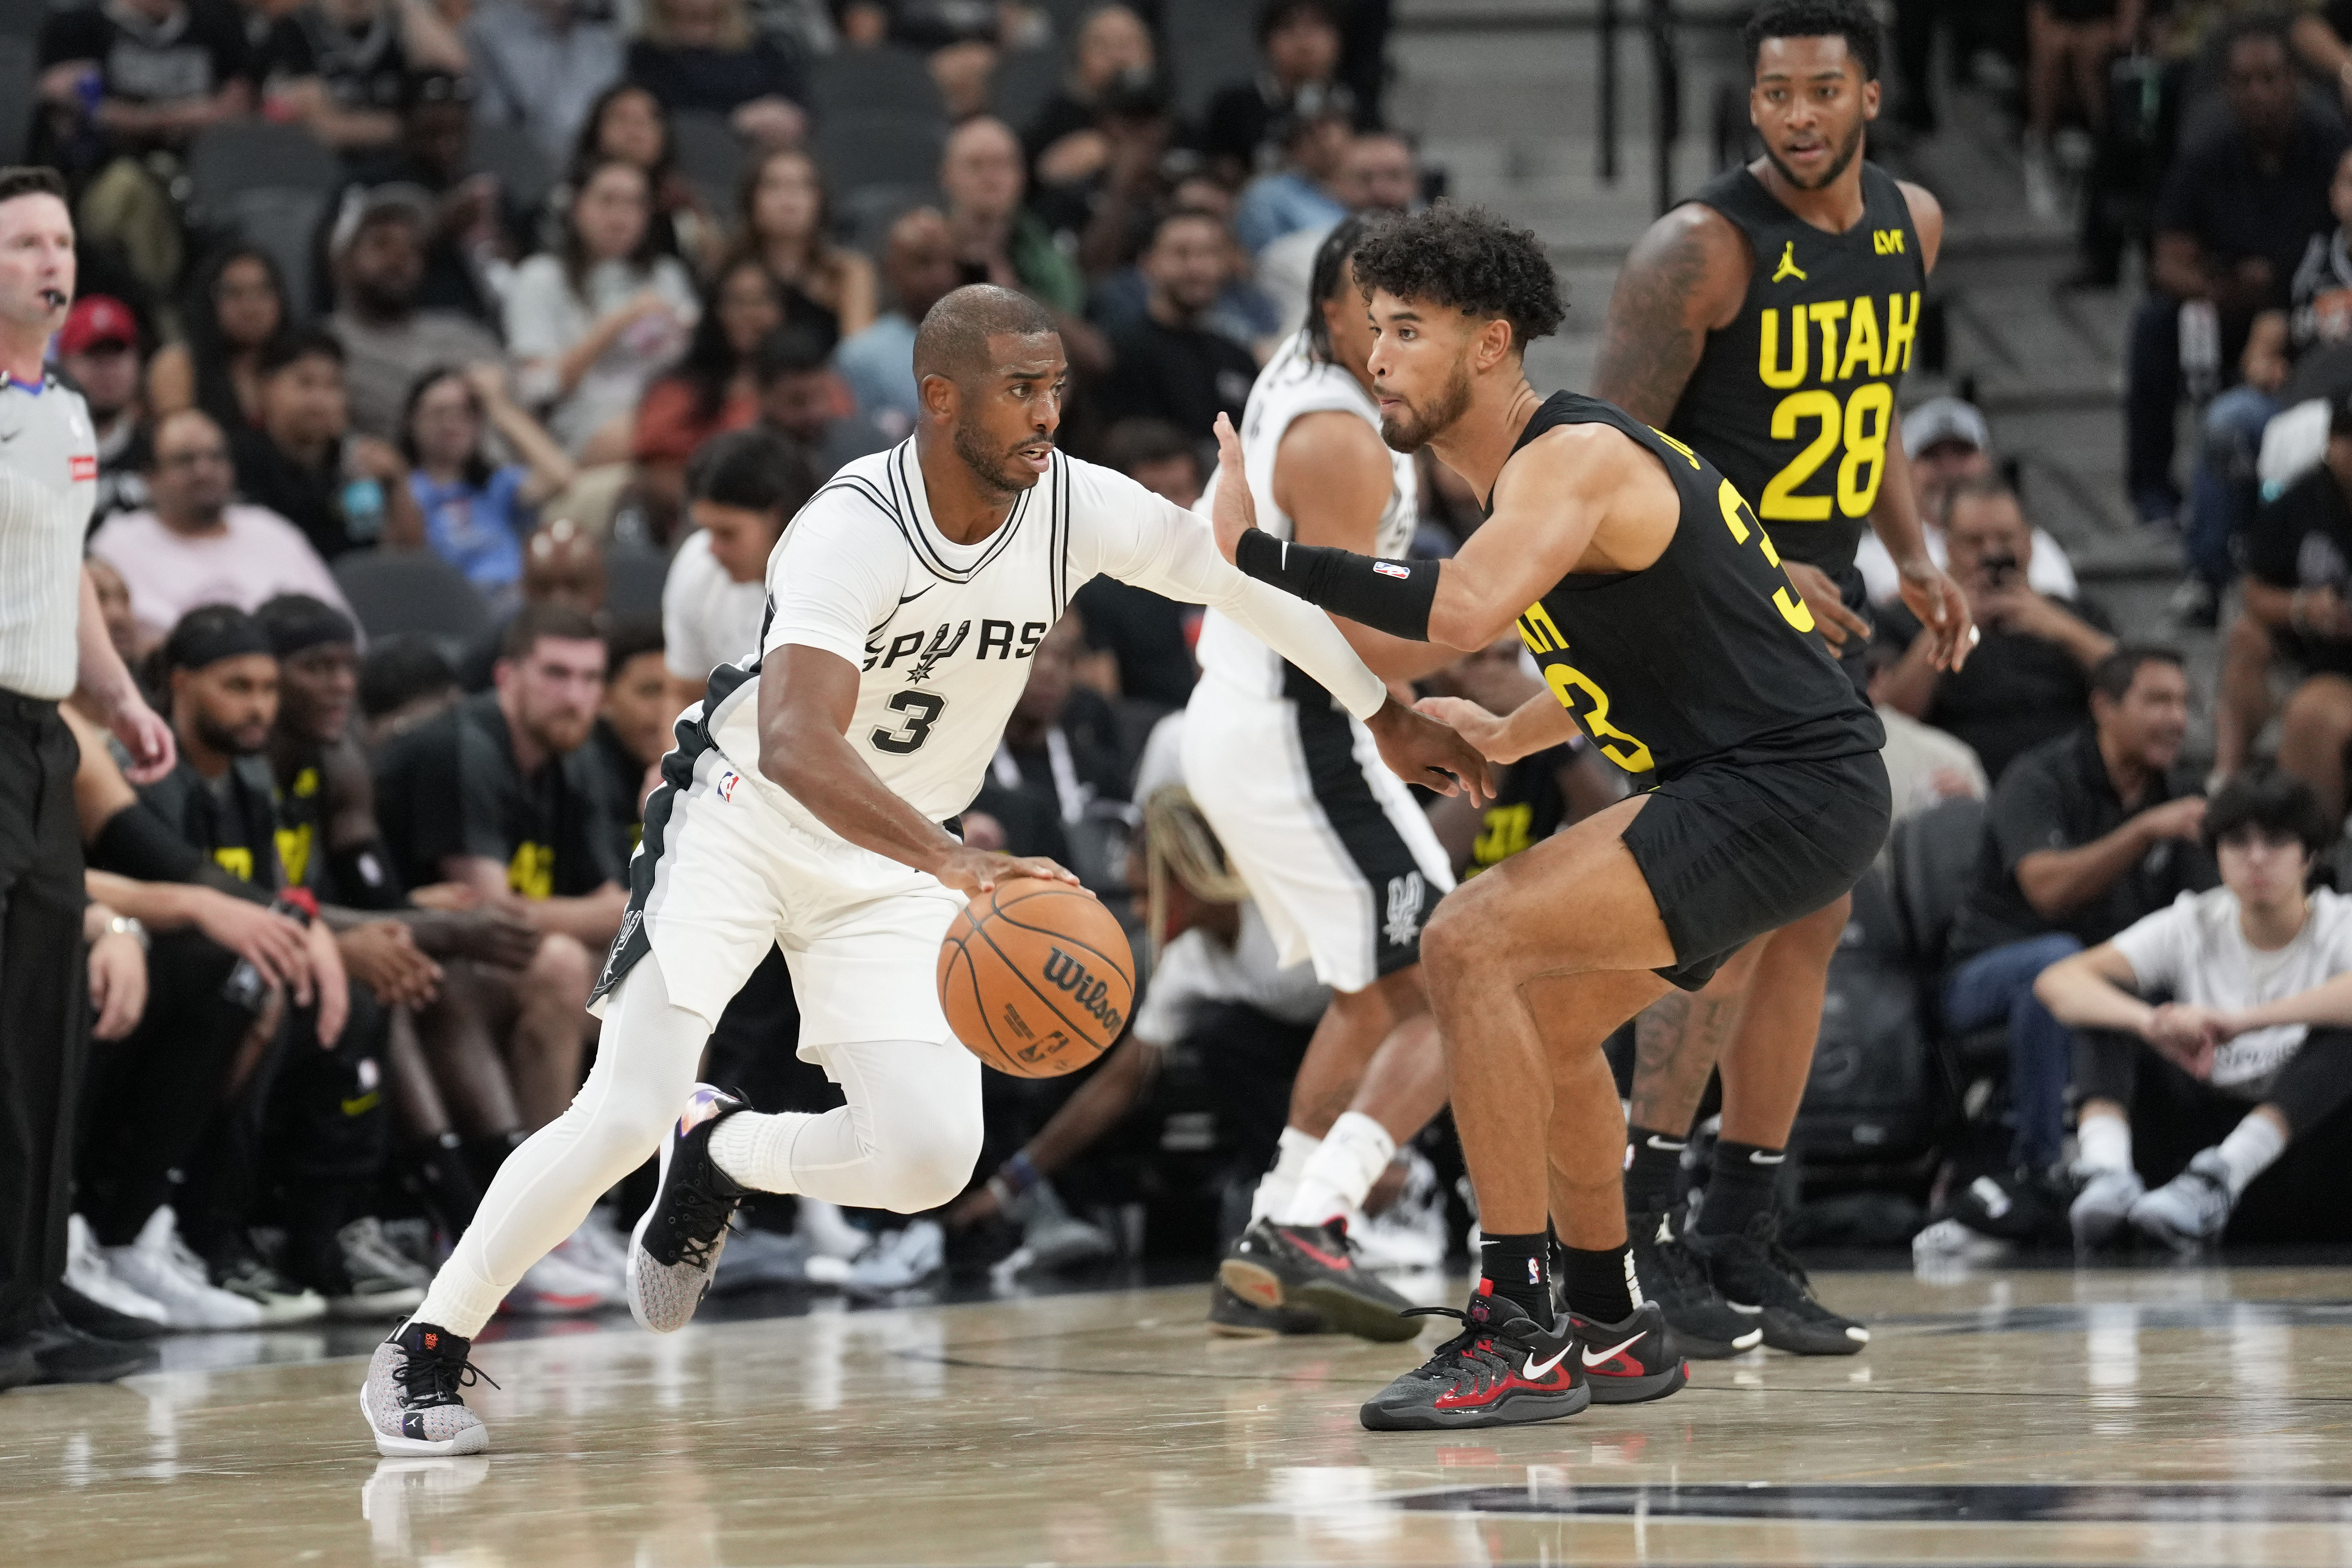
column 1707, row 654
column 1794, row 401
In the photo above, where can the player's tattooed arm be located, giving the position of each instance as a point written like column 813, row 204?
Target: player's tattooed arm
column 1685, row 277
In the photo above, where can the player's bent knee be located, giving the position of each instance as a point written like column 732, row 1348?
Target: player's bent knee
column 925, row 1154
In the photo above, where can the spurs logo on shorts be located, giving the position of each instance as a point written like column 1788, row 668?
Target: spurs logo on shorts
column 1404, row 909
column 629, row 923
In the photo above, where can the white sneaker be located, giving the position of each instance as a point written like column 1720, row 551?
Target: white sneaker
column 828, row 1231
column 161, row 1267
column 555, row 1287
column 1948, row 1241
column 1057, row 1239
column 759, row 1259
column 86, row 1272
column 894, row 1261
column 1410, row 1234
column 2190, row 1210
column 2099, row 1210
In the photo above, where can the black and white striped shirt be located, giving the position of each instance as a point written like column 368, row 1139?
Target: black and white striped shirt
column 49, row 481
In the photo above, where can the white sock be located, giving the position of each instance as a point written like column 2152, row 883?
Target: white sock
column 2104, row 1142
column 2250, row 1148
column 1291, row 1153
column 1354, row 1153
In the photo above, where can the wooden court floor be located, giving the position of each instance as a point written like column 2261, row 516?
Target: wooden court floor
column 2163, row 1416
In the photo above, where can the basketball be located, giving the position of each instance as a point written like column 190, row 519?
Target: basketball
column 1036, row 978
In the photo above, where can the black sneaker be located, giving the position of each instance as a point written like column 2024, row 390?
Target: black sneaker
column 1632, row 1361
column 1758, row 1277
column 1501, row 1369
column 1313, row 1267
column 98, row 1320
column 63, row 1353
column 675, row 1249
column 1232, row 1318
column 1702, row 1322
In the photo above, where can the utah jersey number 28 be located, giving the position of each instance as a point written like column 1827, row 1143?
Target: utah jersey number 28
column 921, row 711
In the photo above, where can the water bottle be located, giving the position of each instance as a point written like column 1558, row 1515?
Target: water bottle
column 364, row 509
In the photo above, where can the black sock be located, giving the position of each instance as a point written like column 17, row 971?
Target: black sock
column 484, row 1154
column 1740, row 1188
column 1599, row 1285
column 1517, row 1269
column 1654, row 1168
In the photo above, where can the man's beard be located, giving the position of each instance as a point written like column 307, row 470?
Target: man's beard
column 558, row 734
column 1406, row 430
column 1845, row 156
column 223, row 740
column 988, row 465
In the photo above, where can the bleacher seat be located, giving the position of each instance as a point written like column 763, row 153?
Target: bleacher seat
column 1873, row 1095
column 874, row 81
column 862, row 218
column 1933, row 861
column 1023, row 81
column 710, row 155
column 256, row 154
column 284, row 222
column 396, row 591
column 1208, row 45
column 634, row 575
column 17, row 108
column 859, row 150
column 22, row 19
column 524, row 174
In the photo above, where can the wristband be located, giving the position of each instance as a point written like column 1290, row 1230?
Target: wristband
column 1018, row 1173
column 1391, row 596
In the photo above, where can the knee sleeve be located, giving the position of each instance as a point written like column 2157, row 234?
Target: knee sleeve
column 925, row 1150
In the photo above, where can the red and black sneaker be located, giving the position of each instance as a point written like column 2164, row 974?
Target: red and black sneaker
column 1313, row 1267
column 1501, row 1369
column 1629, row 1363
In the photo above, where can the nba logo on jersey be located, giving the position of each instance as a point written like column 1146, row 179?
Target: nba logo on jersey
column 83, row 468
column 728, row 779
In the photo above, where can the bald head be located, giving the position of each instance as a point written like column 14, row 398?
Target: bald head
column 953, row 340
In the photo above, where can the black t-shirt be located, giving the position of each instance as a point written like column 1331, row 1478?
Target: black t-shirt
column 1150, row 637
column 2015, row 691
column 624, row 778
column 2059, row 796
column 716, row 81
column 2304, row 540
column 316, row 500
column 450, row 787
column 2222, row 193
column 231, row 821
column 360, row 72
column 194, row 53
column 1183, row 374
column 1528, row 809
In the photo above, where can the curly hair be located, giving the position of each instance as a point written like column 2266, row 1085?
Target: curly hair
column 1469, row 260
column 1852, row 20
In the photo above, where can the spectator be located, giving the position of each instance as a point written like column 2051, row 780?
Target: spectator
column 1148, row 638
column 1167, row 365
column 2029, row 679
column 1098, row 190
column 2317, row 314
column 1925, row 766
column 344, row 492
column 1298, row 42
column 197, row 546
column 2068, row 45
column 633, row 727
column 339, row 68
column 590, row 326
column 1947, row 440
column 802, row 399
column 629, row 123
column 235, row 307
column 786, row 218
column 404, row 682
column 474, row 226
column 539, row 63
column 378, row 248
column 2248, row 1030
column 1110, row 49
column 2230, row 227
column 1243, row 311
column 919, row 265
column 715, row 387
column 1377, row 173
column 997, row 240
column 118, row 83
column 2085, row 835
column 745, row 487
column 1061, row 749
column 702, row 57
column 97, row 349
column 477, row 513
column 1306, row 191
column 2298, row 584
column 114, row 609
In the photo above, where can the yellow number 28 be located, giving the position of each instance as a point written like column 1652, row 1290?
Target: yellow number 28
column 1862, row 423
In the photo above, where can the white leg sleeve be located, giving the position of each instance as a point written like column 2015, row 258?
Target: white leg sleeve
column 907, row 1141
column 644, row 1071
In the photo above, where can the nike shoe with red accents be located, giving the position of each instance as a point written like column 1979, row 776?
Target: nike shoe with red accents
column 1313, row 1267
column 1629, row 1363
column 675, row 1249
column 1501, row 1369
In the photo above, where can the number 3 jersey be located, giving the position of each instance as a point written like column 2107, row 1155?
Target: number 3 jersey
column 1794, row 401
column 1706, row 654
column 945, row 634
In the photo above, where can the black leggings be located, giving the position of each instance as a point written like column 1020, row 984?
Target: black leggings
column 2316, row 1083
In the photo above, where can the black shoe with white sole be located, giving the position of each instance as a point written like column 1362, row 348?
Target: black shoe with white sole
column 1759, row 1278
column 1632, row 1361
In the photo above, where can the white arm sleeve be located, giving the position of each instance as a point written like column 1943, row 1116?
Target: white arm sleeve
column 835, row 578
column 1123, row 531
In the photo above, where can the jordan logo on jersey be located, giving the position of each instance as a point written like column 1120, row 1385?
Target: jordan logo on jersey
column 1404, row 923
column 1788, row 267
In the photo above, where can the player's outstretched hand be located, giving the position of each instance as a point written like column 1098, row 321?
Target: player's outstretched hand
column 1420, row 750
column 1234, row 512
column 1943, row 610
column 969, row 871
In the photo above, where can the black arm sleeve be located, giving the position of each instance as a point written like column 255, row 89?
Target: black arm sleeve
column 1391, row 596
column 137, row 844
column 364, row 878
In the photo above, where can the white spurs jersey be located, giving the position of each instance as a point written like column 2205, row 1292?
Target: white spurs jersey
column 1295, row 384
column 944, row 631
column 49, row 481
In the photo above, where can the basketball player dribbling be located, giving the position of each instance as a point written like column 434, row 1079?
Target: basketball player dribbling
column 1767, row 324
column 1667, row 631
column 802, row 808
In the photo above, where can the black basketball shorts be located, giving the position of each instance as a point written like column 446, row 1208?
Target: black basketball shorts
column 1732, row 851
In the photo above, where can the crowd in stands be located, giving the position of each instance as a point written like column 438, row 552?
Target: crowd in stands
column 422, row 519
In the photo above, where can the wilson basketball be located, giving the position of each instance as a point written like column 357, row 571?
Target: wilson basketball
column 1036, row 978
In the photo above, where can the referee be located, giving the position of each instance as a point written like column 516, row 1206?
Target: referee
column 52, row 643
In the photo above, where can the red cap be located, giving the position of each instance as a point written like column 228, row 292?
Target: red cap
column 97, row 318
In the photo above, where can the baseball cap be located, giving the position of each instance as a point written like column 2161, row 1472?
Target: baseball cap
column 1945, row 420
column 97, row 318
